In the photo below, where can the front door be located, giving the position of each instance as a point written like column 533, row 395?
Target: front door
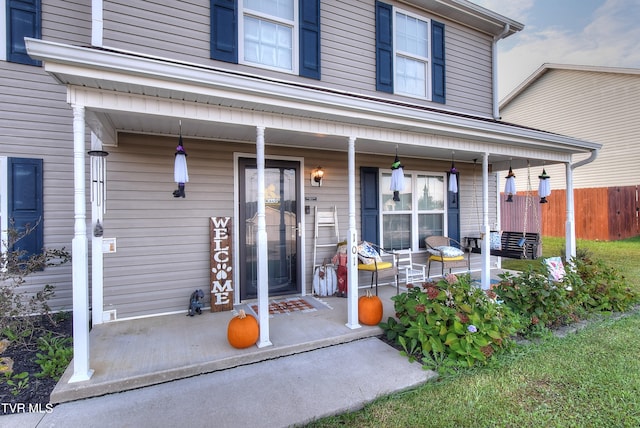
column 282, row 191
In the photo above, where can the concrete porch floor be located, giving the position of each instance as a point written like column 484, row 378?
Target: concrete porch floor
column 136, row 353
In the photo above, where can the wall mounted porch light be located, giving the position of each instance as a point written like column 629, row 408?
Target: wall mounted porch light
column 316, row 177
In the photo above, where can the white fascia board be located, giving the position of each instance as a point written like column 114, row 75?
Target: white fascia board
column 95, row 65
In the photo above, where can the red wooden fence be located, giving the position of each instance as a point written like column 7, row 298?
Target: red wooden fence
column 606, row 214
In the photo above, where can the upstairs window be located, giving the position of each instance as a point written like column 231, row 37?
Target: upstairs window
column 281, row 35
column 409, row 54
column 267, row 34
column 22, row 19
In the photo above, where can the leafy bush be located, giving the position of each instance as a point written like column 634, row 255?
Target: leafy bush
column 540, row 302
column 54, row 356
column 449, row 324
column 18, row 382
column 588, row 287
column 17, row 307
column 605, row 288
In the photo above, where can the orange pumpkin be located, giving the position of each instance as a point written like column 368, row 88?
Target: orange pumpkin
column 369, row 309
column 243, row 330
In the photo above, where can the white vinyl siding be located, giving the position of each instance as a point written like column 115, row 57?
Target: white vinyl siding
column 594, row 106
column 347, row 45
column 35, row 122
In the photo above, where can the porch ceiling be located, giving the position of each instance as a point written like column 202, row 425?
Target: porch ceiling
column 124, row 92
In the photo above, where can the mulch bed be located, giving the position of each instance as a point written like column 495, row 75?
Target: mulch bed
column 23, row 355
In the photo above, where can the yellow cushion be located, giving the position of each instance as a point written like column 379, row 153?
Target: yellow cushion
column 372, row 267
column 446, row 259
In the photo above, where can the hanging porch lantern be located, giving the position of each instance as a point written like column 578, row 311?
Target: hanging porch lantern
column 397, row 178
column 453, row 179
column 510, row 185
column 544, row 187
column 180, row 171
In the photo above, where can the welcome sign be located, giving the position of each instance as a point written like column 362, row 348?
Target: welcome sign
column 221, row 264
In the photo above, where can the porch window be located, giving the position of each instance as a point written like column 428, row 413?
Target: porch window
column 419, row 213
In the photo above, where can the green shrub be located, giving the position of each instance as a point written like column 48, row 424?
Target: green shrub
column 540, row 302
column 54, row 356
column 18, row 307
column 17, row 382
column 449, row 324
column 588, row 287
column 605, row 288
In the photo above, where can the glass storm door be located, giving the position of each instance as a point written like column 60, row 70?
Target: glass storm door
column 281, row 214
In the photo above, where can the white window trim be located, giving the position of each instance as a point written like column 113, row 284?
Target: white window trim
column 3, row 30
column 415, row 237
column 294, row 37
column 427, row 60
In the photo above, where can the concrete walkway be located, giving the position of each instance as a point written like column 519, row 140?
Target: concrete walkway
column 287, row 391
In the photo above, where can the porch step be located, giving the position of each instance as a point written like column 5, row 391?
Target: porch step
column 289, row 391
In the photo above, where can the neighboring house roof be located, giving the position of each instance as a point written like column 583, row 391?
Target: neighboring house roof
column 544, row 68
column 587, row 102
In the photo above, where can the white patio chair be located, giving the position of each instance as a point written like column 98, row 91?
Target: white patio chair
column 410, row 271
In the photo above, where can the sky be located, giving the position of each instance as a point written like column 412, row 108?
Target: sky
column 577, row 32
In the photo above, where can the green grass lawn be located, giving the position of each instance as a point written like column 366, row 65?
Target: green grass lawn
column 623, row 255
column 587, row 379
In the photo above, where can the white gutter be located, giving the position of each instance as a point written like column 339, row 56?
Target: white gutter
column 494, row 67
column 570, row 222
column 591, row 158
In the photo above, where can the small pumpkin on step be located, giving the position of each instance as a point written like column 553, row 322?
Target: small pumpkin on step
column 369, row 309
column 243, row 330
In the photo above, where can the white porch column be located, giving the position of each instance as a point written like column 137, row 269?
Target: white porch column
column 97, row 211
column 261, row 240
column 570, row 226
column 485, row 278
column 352, row 242
column 79, row 248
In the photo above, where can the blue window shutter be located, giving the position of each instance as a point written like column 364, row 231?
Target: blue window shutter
column 24, row 202
column 384, row 47
column 369, row 205
column 310, row 38
column 23, row 20
column 437, row 62
column 224, row 30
